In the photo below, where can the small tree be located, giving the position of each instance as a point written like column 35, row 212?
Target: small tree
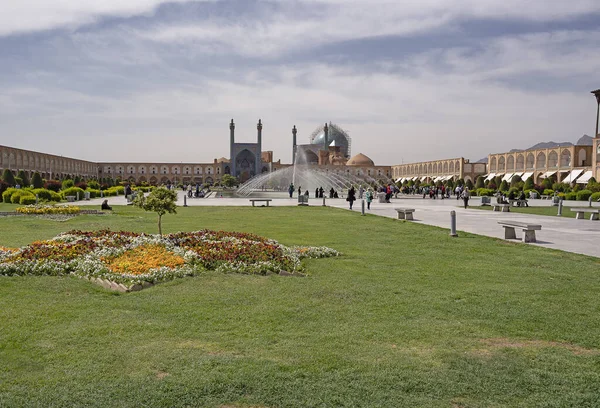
column 479, row 183
column 23, row 176
column 228, row 180
column 67, row 183
column 160, row 201
column 504, row 186
column 36, row 180
column 529, row 184
column 8, row 177
column 469, row 184
column 514, row 181
column 547, row 183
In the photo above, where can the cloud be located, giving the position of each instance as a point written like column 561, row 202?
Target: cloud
column 22, row 16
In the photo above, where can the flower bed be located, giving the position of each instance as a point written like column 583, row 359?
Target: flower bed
column 133, row 259
column 42, row 209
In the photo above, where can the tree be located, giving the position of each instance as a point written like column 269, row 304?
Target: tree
column 503, row 186
column 529, row 184
column 36, row 180
column 228, row 180
column 547, row 183
column 479, row 183
column 23, row 176
column 469, row 184
column 160, row 200
column 8, row 177
column 514, row 181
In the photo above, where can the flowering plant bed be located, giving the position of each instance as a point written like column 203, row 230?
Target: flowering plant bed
column 130, row 261
column 44, row 209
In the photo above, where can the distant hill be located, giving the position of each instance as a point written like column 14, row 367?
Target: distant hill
column 584, row 140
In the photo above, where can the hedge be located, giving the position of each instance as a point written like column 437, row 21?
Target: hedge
column 584, row 195
column 72, row 192
column 485, row 192
column 93, row 192
column 15, row 198
column 596, row 196
column 27, row 200
column 46, row 195
column 7, row 194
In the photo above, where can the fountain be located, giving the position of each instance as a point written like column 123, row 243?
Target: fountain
column 305, row 175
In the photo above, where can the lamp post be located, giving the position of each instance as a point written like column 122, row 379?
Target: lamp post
column 597, row 95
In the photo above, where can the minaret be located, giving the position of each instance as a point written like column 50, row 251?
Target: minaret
column 231, row 144
column 258, row 167
column 326, row 130
column 294, row 132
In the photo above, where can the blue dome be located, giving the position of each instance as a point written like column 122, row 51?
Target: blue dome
column 336, row 135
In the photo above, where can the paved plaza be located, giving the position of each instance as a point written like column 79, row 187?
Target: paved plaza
column 566, row 234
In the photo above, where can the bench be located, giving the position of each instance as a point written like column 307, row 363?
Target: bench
column 486, row 200
column 405, row 213
column 545, row 197
column 593, row 213
column 266, row 200
column 70, row 199
column 501, row 207
column 528, row 230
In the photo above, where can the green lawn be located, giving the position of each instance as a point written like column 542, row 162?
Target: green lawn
column 549, row 211
column 407, row 317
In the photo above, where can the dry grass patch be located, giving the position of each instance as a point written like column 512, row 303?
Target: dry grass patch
column 502, row 342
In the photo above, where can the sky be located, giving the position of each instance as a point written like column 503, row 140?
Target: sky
column 153, row 80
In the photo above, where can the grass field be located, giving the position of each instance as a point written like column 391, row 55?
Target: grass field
column 549, row 211
column 407, row 317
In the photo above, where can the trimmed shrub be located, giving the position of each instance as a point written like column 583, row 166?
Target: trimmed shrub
column 46, row 195
column 583, row 195
column 547, row 183
column 93, row 184
column 481, row 192
column 8, row 177
column 53, row 185
column 67, row 183
column 504, row 186
column 119, row 190
column 3, row 187
column 27, row 200
column 24, row 179
column 93, row 193
column 19, row 182
column 72, row 192
column 479, row 184
column 7, row 194
column 596, row 196
column 82, row 185
column 570, row 196
column 548, row 191
column 36, row 180
column 15, row 198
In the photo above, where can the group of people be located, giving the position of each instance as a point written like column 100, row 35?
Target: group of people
column 522, row 199
column 195, row 192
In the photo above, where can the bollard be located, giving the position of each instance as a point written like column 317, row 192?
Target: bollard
column 37, row 199
column 324, row 202
column 560, row 208
column 362, row 206
column 185, row 200
column 101, row 194
column 78, row 196
column 590, row 201
column 453, row 224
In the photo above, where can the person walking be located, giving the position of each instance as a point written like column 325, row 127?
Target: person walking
column 291, row 189
column 351, row 196
column 369, row 197
column 465, row 197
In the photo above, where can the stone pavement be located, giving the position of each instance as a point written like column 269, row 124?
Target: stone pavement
column 566, row 234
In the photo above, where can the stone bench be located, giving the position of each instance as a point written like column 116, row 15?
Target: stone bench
column 70, row 199
column 501, row 207
column 545, row 197
column 405, row 213
column 266, row 200
column 580, row 213
column 528, row 230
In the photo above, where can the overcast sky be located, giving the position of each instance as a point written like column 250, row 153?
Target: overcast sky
column 149, row 80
